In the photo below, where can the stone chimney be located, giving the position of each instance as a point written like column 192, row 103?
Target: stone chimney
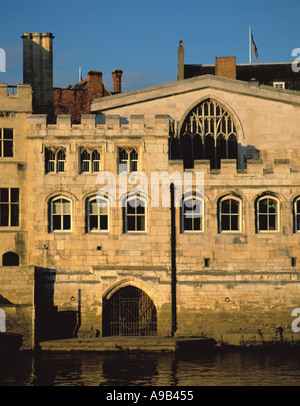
column 180, row 61
column 117, row 75
column 226, row 67
column 38, row 70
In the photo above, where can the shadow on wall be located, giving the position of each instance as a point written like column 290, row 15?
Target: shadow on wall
column 51, row 324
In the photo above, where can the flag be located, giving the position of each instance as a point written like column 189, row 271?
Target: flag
column 254, row 47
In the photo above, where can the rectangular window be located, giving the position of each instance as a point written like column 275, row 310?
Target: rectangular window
column 9, row 207
column 279, row 85
column 135, row 215
column 6, row 142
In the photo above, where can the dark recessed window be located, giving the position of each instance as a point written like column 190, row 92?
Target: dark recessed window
column 267, row 214
column 6, row 142
column 229, row 214
column 9, row 207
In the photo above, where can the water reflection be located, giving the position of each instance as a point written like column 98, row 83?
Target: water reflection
column 121, row 369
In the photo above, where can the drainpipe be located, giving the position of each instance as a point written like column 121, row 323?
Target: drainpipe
column 78, row 315
column 173, row 260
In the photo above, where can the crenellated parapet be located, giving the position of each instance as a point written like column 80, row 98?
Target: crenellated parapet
column 255, row 167
column 112, row 127
column 15, row 98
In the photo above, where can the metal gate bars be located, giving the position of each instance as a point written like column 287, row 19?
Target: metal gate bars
column 129, row 312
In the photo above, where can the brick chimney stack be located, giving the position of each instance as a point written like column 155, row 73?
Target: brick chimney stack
column 95, row 86
column 180, row 75
column 117, row 75
column 226, row 67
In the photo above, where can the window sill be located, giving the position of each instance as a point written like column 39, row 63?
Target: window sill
column 61, row 232
column 89, row 173
column 230, row 232
column 10, row 229
column 192, row 232
column 55, row 173
column 135, row 232
column 268, row 232
column 98, row 232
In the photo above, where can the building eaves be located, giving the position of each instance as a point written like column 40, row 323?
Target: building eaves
column 193, row 84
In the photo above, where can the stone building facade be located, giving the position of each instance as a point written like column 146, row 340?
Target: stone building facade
column 101, row 254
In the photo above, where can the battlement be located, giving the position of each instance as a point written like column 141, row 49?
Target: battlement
column 16, row 98
column 254, row 167
column 64, row 127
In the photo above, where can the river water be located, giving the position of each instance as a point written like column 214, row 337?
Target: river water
column 237, row 368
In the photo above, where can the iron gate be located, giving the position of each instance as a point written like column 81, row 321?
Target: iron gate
column 129, row 312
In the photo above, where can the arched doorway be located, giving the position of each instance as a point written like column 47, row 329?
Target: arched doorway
column 10, row 259
column 129, row 312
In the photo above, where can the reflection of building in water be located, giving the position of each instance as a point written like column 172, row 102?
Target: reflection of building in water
column 79, row 263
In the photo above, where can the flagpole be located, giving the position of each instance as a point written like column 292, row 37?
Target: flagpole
column 249, row 44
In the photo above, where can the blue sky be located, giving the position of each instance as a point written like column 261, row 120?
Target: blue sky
column 141, row 37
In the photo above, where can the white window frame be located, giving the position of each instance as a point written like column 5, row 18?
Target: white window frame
column 90, row 161
column 61, row 230
column 128, row 161
column 55, row 163
column 125, row 214
column 98, row 230
column 267, row 214
column 239, row 214
column 182, row 214
column 279, row 85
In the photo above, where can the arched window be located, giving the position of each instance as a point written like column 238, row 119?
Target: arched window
column 210, row 120
column 128, row 160
column 55, row 160
column 192, row 213
column 135, row 214
column 187, row 150
column 96, row 161
column 90, row 161
column 229, row 214
column 85, row 161
column 61, row 159
column 97, row 214
column 10, row 259
column 198, row 146
column 267, row 214
column 60, row 214
column 297, row 214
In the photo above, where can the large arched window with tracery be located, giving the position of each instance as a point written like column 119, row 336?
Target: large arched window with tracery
column 212, row 134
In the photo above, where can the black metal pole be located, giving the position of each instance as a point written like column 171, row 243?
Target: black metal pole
column 173, row 260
